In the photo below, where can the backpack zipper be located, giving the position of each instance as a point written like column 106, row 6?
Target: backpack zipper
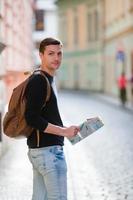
column 38, row 138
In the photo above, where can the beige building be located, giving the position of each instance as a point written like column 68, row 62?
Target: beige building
column 118, row 43
column 81, row 30
column 98, row 43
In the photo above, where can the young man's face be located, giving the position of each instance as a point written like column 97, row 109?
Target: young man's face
column 51, row 58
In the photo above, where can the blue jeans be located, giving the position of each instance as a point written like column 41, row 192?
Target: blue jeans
column 49, row 173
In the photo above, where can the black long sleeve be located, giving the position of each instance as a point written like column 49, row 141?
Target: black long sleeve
column 38, row 116
column 36, row 93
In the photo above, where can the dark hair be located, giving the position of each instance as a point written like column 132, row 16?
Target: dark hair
column 48, row 41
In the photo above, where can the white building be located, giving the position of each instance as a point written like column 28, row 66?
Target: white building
column 45, row 23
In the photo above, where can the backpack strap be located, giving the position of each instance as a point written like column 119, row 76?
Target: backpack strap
column 48, row 84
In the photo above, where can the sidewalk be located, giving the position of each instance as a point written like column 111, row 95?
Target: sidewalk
column 113, row 100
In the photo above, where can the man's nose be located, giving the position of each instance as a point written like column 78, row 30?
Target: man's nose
column 56, row 57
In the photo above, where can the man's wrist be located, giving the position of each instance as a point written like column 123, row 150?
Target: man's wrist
column 56, row 130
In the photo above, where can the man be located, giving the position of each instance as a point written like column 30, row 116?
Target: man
column 46, row 148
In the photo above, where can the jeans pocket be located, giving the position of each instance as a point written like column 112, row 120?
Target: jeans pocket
column 59, row 154
column 36, row 158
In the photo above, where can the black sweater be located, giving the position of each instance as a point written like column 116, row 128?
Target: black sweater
column 38, row 116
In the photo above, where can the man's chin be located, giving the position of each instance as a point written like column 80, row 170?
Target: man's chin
column 56, row 67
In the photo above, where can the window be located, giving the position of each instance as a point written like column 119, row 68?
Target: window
column 63, row 28
column 93, row 26
column 96, row 28
column 39, row 20
column 89, row 21
column 76, row 30
column 63, row 31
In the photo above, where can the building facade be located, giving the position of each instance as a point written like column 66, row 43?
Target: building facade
column 81, row 30
column 118, row 47
column 17, row 57
column 97, row 42
column 16, row 33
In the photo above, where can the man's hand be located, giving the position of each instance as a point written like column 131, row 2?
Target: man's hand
column 71, row 131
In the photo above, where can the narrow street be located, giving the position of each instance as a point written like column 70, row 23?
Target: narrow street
column 99, row 167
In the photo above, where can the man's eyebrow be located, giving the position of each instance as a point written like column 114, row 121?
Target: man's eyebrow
column 51, row 51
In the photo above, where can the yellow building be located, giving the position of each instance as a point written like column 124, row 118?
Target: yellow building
column 81, row 30
column 98, row 43
column 118, row 43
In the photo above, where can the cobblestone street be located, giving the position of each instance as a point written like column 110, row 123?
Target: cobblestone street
column 99, row 168
column 15, row 173
column 102, row 163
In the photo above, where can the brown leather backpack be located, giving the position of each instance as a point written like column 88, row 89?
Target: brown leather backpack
column 14, row 123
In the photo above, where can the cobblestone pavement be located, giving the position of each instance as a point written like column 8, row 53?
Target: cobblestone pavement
column 101, row 165
column 15, row 173
column 99, row 168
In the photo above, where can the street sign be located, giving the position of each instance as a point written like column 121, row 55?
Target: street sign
column 120, row 55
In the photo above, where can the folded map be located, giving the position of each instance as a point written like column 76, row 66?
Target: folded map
column 87, row 128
